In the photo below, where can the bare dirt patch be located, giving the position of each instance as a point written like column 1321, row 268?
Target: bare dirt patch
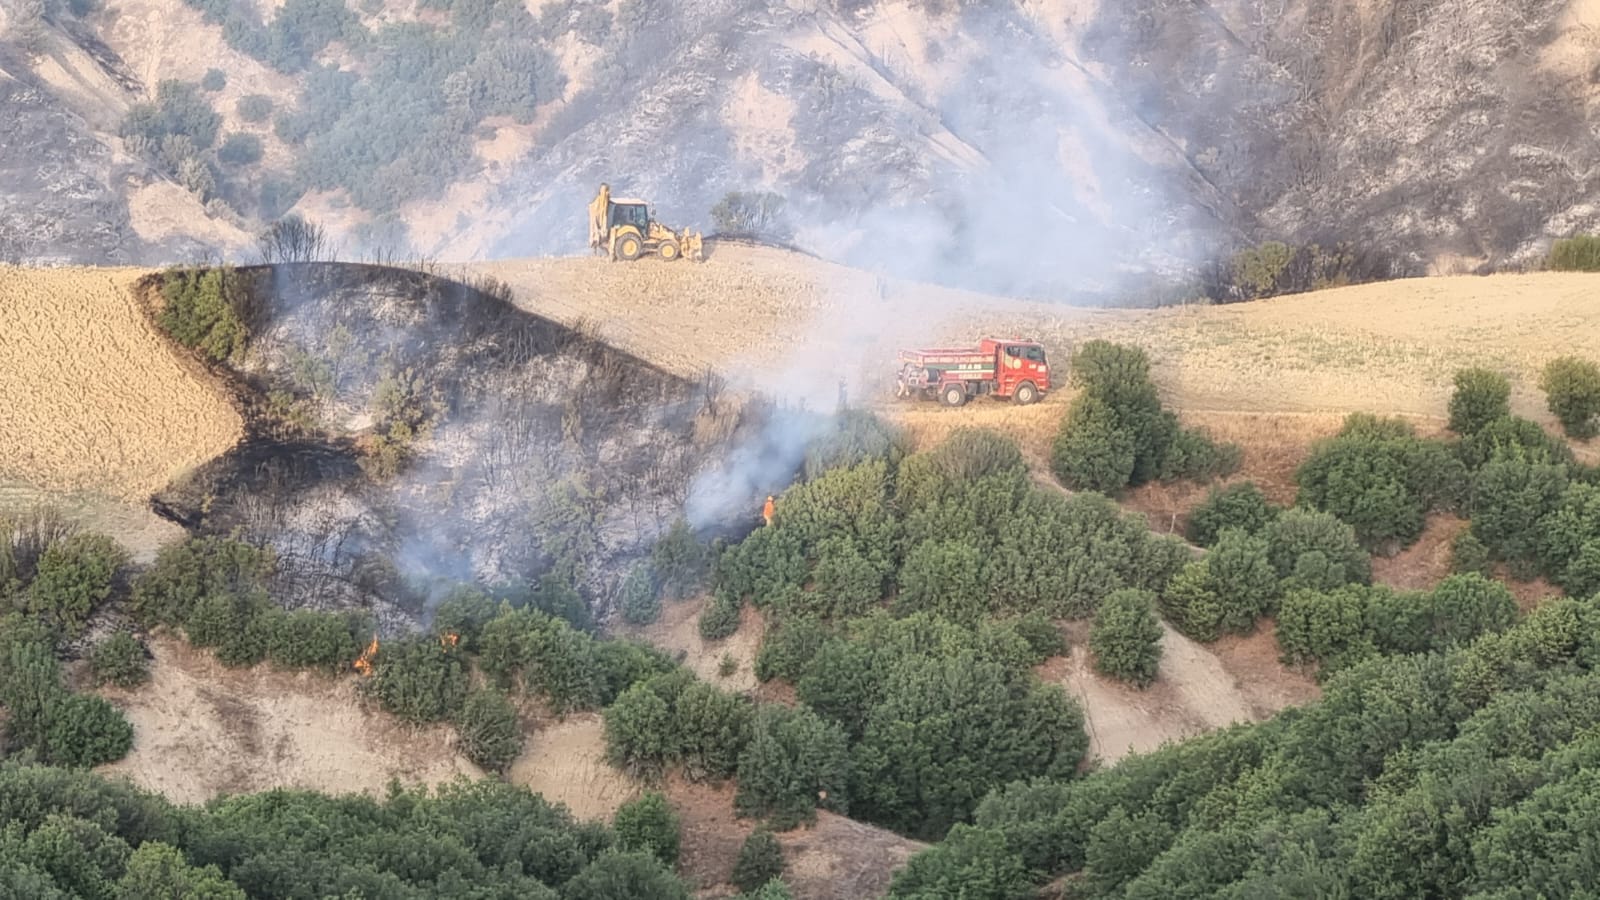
column 1265, row 683
column 678, row 633
column 91, row 397
column 565, row 761
column 202, row 730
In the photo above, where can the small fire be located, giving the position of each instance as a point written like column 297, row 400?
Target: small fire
column 363, row 663
column 449, row 639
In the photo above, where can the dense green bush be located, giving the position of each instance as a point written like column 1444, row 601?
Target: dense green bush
column 1572, row 392
column 419, row 680
column 844, row 582
column 240, row 149
column 214, row 80
column 60, row 727
column 670, row 719
column 491, row 733
column 71, row 834
column 202, row 309
column 1512, row 438
column 543, row 655
column 1511, row 497
column 760, row 861
column 945, row 578
column 74, row 576
column 1480, row 397
column 179, row 111
column 1315, row 550
column 464, row 612
column 1468, row 554
column 1195, row 455
column 679, row 561
column 120, row 660
column 1239, row 505
column 1092, row 452
column 719, row 620
column 315, row 640
column 1126, row 637
column 254, row 108
column 641, row 599
column 1381, row 479
column 1576, row 254
column 1225, row 592
column 648, row 825
column 1273, row 268
column 858, row 436
column 794, row 762
column 788, row 647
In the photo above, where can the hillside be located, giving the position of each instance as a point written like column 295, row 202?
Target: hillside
column 941, row 141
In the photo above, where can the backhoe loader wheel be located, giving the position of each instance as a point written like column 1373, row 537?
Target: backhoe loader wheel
column 1026, row 394
column 953, row 395
column 629, row 247
column 668, row 250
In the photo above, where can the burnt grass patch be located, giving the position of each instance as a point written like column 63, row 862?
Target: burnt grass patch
column 406, row 433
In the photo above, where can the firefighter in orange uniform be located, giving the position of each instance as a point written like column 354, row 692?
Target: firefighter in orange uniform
column 769, row 509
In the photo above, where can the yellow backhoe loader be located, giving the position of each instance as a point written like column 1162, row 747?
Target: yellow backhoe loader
column 624, row 229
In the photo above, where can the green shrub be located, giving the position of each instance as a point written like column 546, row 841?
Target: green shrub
column 240, row 149
column 1196, row 456
column 844, row 582
column 793, row 763
column 1463, row 607
column 1126, row 637
column 1259, row 270
column 672, row 718
column 1043, row 638
column 491, row 733
column 85, row 731
column 464, row 612
column 546, row 655
column 1241, row 506
column 615, row 875
column 858, row 437
column 315, row 640
column 1468, row 554
column 1572, row 392
column 788, row 647
column 419, row 680
column 1328, row 628
column 639, row 731
column 214, row 80
column 1190, row 603
column 74, row 577
column 120, row 660
column 1512, row 438
column 202, row 310
column 755, row 214
column 760, row 861
column 1315, row 550
column 179, row 111
column 762, row 566
column 1576, row 254
column 648, row 825
column 719, row 620
column 1380, row 478
column 254, row 108
column 1227, row 591
column 641, row 602
column 1510, row 499
column 1092, row 452
column 1480, row 397
column 679, row 561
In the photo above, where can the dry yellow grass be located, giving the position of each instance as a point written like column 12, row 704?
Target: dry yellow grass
column 91, row 397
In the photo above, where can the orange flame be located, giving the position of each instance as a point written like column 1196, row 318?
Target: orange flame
column 449, row 639
column 363, row 663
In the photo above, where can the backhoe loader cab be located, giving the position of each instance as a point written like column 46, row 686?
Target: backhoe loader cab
column 624, row 229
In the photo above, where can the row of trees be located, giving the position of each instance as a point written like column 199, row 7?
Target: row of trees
column 1454, row 772
column 77, row 835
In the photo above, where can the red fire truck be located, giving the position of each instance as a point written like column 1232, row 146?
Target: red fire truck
column 1008, row 370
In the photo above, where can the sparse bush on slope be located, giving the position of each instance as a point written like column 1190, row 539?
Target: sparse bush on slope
column 1126, row 637
column 1572, row 391
column 1480, row 397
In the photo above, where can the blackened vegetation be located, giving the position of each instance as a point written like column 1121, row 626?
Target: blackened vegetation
column 406, row 432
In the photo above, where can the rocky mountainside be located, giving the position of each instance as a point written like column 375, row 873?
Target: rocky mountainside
column 1029, row 146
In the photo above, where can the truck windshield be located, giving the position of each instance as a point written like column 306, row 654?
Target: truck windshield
column 1034, row 354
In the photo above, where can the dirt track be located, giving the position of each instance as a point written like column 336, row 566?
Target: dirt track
column 90, row 395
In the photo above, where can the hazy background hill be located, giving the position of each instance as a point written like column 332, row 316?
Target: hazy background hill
column 1028, row 146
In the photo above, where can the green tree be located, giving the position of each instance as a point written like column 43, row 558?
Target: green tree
column 84, row 731
column 491, row 733
column 1092, row 451
column 641, row 602
column 1315, row 550
column 158, row 871
column 1381, row 479
column 648, row 825
column 679, row 561
column 638, row 876
column 120, row 660
column 1572, row 392
column 719, row 620
column 969, row 862
column 639, row 731
column 1126, row 637
column 1580, row 253
column 946, row 578
column 1480, row 397
column 74, row 577
column 793, row 763
column 760, row 861
column 419, row 680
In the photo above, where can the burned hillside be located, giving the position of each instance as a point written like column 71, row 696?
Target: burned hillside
column 407, row 433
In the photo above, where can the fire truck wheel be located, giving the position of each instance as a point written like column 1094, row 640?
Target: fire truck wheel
column 954, row 395
column 1027, row 394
